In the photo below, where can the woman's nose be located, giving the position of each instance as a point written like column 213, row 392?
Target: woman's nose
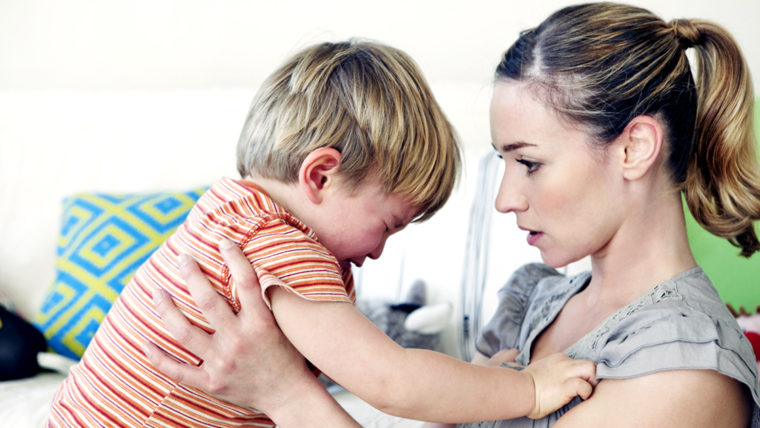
column 510, row 198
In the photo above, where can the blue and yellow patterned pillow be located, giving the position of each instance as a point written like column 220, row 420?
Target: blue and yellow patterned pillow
column 104, row 238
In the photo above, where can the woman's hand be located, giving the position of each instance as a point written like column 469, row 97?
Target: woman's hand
column 247, row 361
column 504, row 356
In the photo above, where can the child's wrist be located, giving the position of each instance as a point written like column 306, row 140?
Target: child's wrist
column 534, row 409
column 310, row 405
column 287, row 410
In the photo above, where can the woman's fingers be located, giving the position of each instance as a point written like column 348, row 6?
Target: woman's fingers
column 247, row 360
column 180, row 328
column 180, row 372
column 249, row 290
column 254, row 316
column 213, row 306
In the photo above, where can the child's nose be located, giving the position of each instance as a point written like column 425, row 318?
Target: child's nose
column 378, row 250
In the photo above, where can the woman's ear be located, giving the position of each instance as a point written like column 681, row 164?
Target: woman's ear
column 641, row 142
column 318, row 171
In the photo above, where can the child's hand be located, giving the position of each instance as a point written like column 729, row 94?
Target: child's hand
column 557, row 379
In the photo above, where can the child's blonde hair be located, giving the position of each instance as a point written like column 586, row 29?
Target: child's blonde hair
column 368, row 101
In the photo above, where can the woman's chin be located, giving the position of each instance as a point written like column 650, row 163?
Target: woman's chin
column 557, row 261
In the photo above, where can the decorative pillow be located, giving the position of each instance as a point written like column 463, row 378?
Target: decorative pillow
column 104, row 238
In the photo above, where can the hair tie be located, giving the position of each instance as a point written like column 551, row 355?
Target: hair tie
column 685, row 32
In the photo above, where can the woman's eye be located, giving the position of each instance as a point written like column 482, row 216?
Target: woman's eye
column 531, row 166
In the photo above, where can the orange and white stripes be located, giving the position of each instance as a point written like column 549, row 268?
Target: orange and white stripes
column 114, row 383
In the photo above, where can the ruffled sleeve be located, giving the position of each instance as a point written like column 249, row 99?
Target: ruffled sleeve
column 678, row 339
column 679, row 325
column 503, row 330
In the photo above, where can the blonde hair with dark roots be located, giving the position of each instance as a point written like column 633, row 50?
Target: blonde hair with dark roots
column 602, row 64
column 368, row 101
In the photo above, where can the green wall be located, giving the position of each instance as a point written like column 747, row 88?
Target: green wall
column 736, row 278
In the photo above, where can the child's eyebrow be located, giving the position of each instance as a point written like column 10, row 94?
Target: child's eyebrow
column 512, row 146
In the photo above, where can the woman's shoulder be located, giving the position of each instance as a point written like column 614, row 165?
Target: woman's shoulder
column 680, row 324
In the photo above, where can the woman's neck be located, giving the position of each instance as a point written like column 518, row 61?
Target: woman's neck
column 650, row 247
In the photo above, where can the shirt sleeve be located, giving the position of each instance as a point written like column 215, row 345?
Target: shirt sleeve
column 677, row 338
column 681, row 338
column 284, row 256
column 503, row 330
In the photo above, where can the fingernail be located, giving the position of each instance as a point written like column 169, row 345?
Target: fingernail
column 158, row 296
column 184, row 259
column 145, row 349
column 226, row 244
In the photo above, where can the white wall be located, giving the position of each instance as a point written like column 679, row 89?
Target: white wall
column 137, row 94
column 86, row 44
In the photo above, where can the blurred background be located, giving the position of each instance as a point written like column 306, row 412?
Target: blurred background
column 151, row 94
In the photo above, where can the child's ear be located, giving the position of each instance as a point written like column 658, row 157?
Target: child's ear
column 318, row 171
column 640, row 142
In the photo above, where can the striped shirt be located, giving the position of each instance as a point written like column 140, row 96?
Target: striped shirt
column 114, row 384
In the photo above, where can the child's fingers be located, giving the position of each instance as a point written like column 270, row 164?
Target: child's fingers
column 213, row 306
column 587, row 371
column 584, row 388
column 584, row 377
column 193, row 338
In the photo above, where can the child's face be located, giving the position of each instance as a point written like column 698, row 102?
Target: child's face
column 563, row 192
column 355, row 225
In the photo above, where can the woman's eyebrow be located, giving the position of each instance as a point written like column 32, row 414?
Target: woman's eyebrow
column 512, row 146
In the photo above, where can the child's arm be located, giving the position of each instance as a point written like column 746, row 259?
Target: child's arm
column 507, row 355
column 417, row 383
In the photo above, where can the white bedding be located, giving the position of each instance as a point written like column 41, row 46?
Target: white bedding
column 24, row 404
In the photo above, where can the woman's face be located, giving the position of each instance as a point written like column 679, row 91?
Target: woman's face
column 562, row 190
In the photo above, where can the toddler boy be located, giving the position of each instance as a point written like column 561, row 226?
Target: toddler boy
column 343, row 146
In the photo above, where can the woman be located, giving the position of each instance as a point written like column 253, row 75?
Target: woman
column 602, row 128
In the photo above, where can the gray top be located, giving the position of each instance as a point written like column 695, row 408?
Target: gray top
column 679, row 324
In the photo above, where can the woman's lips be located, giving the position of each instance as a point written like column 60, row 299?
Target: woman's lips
column 534, row 236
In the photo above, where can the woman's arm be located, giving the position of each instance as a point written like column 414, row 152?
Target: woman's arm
column 247, row 361
column 688, row 398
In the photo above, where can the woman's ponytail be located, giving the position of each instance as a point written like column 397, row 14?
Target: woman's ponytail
column 722, row 187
